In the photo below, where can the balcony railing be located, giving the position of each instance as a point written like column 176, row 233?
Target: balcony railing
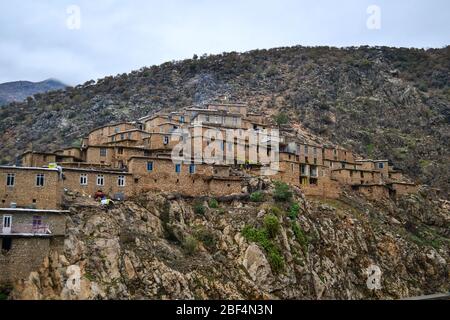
column 27, row 229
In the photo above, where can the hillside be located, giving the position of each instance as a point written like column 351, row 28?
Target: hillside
column 380, row 102
column 162, row 246
column 19, row 90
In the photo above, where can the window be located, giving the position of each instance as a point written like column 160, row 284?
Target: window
column 121, row 181
column 122, row 136
column 10, row 179
column 380, row 165
column 182, row 119
column 192, row 168
column 343, row 165
column 146, row 153
column 292, row 167
column 83, row 179
column 315, row 151
column 40, row 180
column 178, row 168
column 303, row 169
column 166, row 139
column 37, row 221
column 150, row 166
column 306, row 149
column 116, row 129
column 314, row 172
column 6, row 244
column 113, row 138
column 120, row 151
column 102, row 152
column 100, row 180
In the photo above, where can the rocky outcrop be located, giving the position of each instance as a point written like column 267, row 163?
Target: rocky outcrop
column 156, row 246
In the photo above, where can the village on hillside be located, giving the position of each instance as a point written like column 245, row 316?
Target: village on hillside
column 230, row 145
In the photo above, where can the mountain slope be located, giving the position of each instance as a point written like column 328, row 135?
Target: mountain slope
column 381, row 102
column 20, row 90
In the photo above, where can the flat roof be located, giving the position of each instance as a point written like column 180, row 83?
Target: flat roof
column 370, row 160
column 33, row 210
column 110, row 125
column 96, row 170
column 28, row 168
column 38, row 152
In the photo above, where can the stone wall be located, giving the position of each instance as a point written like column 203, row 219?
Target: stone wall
column 25, row 192
column 374, row 192
column 26, row 255
column 21, row 221
column 72, row 182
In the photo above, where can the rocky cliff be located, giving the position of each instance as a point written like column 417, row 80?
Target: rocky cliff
column 377, row 101
column 163, row 246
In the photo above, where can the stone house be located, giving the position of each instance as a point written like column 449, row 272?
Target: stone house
column 26, row 238
column 30, row 187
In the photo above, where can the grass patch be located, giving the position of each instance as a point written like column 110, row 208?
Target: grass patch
column 300, row 236
column 293, row 211
column 272, row 225
column 199, row 208
column 190, row 245
column 261, row 237
column 213, row 203
column 257, row 196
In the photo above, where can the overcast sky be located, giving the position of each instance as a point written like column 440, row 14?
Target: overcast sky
column 45, row 39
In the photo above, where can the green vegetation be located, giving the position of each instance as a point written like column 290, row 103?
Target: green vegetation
column 277, row 211
column 281, row 118
column 300, row 236
column 261, row 237
column 369, row 149
column 294, row 210
column 213, row 203
column 190, row 245
column 282, row 192
column 199, row 208
column 272, row 225
column 257, row 196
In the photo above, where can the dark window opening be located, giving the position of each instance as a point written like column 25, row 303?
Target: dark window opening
column 6, row 244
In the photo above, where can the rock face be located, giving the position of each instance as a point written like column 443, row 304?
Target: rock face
column 156, row 247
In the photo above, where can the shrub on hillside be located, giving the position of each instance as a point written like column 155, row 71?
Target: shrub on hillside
column 282, row 192
column 199, row 208
column 257, row 196
column 212, row 203
column 190, row 245
column 272, row 225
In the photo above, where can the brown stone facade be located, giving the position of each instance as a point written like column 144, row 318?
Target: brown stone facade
column 124, row 150
column 31, row 236
column 30, row 187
